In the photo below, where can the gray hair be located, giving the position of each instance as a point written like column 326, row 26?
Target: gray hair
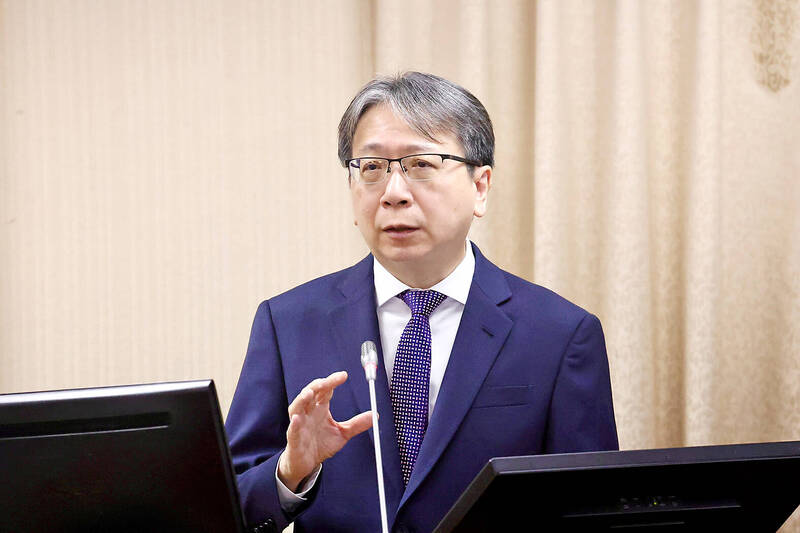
column 430, row 105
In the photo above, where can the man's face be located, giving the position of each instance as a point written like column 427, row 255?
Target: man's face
column 416, row 230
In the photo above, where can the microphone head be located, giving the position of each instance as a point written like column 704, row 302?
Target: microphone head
column 369, row 359
column 369, row 354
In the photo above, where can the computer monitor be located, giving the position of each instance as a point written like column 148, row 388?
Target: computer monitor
column 131, row 458
column 741, row 487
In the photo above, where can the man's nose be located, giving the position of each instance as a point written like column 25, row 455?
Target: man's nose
column 397, row 191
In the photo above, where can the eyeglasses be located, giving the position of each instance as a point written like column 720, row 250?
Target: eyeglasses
column 415, row 167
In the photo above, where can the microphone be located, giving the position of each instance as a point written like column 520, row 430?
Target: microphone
column 369, row 360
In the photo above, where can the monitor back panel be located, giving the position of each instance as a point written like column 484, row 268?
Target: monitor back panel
column 141, row 458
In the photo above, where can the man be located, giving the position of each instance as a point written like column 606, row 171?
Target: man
column 483, row 364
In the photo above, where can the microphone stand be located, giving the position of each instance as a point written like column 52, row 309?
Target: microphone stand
column 369, row 360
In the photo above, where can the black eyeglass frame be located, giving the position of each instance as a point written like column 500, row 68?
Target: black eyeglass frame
column 389, row 162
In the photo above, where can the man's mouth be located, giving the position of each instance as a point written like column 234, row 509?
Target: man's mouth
column 399, row 229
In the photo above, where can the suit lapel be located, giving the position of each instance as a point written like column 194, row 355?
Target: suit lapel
column 352, row 322
column 481, row 335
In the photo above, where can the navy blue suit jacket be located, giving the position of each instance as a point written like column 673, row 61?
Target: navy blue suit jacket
column 528, row 374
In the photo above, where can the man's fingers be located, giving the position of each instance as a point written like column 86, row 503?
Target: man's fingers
column 327, row 384
column 302, row 403
column 325, row 391
column 319, row 391
column 357, row 424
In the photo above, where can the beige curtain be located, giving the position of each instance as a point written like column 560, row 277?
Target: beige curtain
column 164, row 166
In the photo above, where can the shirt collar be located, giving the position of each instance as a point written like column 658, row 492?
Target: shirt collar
column 456, row 285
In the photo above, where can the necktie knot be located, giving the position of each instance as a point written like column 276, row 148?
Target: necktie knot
column 422, row 302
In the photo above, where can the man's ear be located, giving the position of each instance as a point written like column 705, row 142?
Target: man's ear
column 482, row 178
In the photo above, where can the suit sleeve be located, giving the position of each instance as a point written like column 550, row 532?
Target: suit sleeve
column 256, row 425
column 581, row 414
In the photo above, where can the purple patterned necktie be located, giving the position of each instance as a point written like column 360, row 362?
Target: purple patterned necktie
column 411, row 376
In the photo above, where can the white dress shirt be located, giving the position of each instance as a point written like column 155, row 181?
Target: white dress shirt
column 393, row 315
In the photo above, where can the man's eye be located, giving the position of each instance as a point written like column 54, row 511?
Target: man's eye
column 418, row 163
column 370, row 166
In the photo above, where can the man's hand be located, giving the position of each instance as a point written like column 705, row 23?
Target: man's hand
column 313, row 434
